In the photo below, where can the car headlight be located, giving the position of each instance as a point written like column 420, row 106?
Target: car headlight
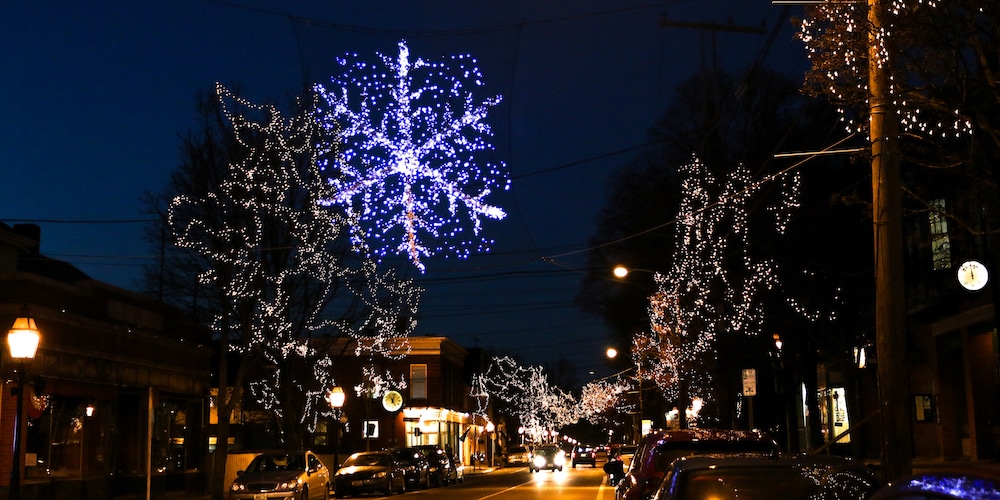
column 379, row 475
column 560, row 459
column 539, row 461
column 287, row 486
column 238, row 487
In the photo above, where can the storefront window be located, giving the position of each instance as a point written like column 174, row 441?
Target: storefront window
column 67, row 437
column 833, row 406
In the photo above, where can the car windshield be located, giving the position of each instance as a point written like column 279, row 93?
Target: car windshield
column 546, row 450
column 732, row 483
column 407, row 456
column 367, row 460
column 272, row 462
column 667, row 453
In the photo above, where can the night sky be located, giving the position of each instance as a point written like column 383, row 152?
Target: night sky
column 96, row 95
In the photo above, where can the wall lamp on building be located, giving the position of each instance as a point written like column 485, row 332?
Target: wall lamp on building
column 22, row 342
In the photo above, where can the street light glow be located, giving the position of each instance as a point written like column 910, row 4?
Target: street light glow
column 620, row 271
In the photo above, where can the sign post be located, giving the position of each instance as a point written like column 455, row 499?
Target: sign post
column 750, row 390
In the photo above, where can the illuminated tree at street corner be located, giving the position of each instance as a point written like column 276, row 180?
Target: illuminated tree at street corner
column 289, row 269
column 599, row 397
column 538, row 405
column 713, row 286
column 414, row 137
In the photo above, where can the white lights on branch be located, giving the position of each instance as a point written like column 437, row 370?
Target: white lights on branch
column 838, row 42
column 284, row 261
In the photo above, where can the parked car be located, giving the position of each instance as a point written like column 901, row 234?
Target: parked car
column 945, row 484
column 369, row 472
column 416, row 469
column 282, row 474
column 516, row 455
column 440, row 466
column 547, row 456
column 457, row 469
column 658, row 449
column 584, row 454
column 792, row 477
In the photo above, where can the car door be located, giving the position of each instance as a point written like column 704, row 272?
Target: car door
column 317, row 476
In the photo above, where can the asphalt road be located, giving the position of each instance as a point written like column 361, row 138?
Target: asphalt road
column 582, row 483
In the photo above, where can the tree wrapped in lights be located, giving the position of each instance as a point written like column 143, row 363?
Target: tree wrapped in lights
column 537, row 404
column 920, row 77
column 940, row 60
column 600, row 397
column 287, row 274
column 414, row 137
column 713, row 286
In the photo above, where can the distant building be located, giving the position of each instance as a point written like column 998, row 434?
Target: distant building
column 437, row 407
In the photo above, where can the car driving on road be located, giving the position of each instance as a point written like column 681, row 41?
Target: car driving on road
column 548, row 457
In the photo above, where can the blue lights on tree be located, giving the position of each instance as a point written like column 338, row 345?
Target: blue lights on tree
column 412, row 164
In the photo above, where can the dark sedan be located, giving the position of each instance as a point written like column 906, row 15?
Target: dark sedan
column 369, row 472
column 416, row 470
column 793, row 477
column 440, row 465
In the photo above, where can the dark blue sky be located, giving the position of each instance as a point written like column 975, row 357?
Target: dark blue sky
column 97, row 93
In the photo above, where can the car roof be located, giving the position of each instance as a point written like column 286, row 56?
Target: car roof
column 715, row 460
column 946, row 482
column 687, row 435
column 819, row 469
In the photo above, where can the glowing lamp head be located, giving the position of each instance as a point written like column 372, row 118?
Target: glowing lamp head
column 336, row 397
column 490, row 427
column 22, row 339
column 612, row 353
column 620, row 271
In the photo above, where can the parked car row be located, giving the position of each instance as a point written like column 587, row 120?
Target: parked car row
column 396, row 470
column 302, row 475
column 698, row 464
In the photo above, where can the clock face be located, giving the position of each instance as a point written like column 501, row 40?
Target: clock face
column 973, row 275
column 392, row 401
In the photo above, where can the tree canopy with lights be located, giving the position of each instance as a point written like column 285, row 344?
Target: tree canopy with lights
column 286, row 270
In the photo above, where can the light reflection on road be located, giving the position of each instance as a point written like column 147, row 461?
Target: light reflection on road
column 550, row 477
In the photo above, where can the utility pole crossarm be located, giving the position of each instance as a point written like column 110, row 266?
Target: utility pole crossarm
column 712, row 26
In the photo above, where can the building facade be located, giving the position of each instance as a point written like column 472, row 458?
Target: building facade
column 116, row 396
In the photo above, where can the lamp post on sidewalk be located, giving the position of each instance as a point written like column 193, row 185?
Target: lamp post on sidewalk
column 336, row 397
column 22, row 341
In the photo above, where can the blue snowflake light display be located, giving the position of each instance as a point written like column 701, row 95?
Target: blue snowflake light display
column 413, row 138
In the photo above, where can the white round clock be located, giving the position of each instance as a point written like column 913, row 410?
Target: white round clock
column 392, row 401
column 972, row 275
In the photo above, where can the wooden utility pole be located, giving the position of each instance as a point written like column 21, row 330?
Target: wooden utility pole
column 887, row 213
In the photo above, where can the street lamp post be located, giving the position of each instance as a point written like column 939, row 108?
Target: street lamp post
column 612, row 353
column 489, row 435
column 22, row 341
column 336, row 397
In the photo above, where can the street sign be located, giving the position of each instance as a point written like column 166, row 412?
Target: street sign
column 749, row 382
